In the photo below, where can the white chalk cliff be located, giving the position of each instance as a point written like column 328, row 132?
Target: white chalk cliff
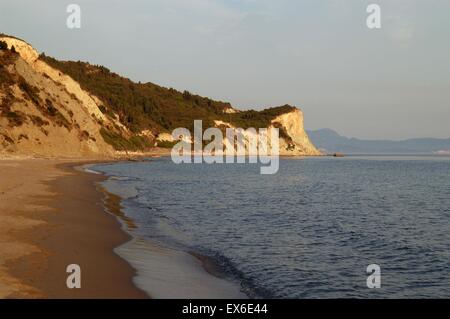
column 293, row 139
column 299, row 144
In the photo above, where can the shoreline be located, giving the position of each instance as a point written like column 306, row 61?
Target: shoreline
column 62, row 214
column 177, row 274
column 52, row 215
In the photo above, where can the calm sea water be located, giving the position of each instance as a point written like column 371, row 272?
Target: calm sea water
column 309, row 231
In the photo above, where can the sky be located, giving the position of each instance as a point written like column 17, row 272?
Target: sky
column 319, row 55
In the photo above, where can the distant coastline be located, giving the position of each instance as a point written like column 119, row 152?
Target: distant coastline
column 329, row 141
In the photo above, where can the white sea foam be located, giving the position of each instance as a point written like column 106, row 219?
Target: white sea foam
column 169, row 273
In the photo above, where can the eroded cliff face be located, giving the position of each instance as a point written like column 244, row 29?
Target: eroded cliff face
column 26, row 51
column 297, row 141
column 293, row 139
column 45, row 113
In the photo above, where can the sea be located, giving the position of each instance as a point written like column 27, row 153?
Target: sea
column 309, row 231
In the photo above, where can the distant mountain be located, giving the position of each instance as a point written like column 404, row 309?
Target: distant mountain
column 330, row 141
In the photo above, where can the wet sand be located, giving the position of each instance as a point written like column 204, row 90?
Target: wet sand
column 52, row 215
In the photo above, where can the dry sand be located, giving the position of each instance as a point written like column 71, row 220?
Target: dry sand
column 51, row 216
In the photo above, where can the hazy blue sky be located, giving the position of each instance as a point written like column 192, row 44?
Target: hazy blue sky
column 315, row 54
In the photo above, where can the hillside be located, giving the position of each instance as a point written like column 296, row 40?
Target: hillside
column 42, row 115
column 65, row 108
column 330, row 141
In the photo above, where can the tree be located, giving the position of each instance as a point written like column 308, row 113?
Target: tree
column 3, row 45
column 187, row 95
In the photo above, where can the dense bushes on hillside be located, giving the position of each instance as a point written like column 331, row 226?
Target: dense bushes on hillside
column 3, row 45
column 6, row 81
column 140, row 106
column 6, row 58
column 258, row 119
column 147, row 105
column 134, row 143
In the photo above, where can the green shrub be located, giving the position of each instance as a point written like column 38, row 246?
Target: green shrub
column 7, row 139
column 15, row 118
column 118, row 142
column 3, row 45
column 55, row 115
column 31, row 91
column 166, row 144
column 38, row 121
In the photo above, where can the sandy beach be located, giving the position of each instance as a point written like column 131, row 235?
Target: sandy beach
column 51, row 215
